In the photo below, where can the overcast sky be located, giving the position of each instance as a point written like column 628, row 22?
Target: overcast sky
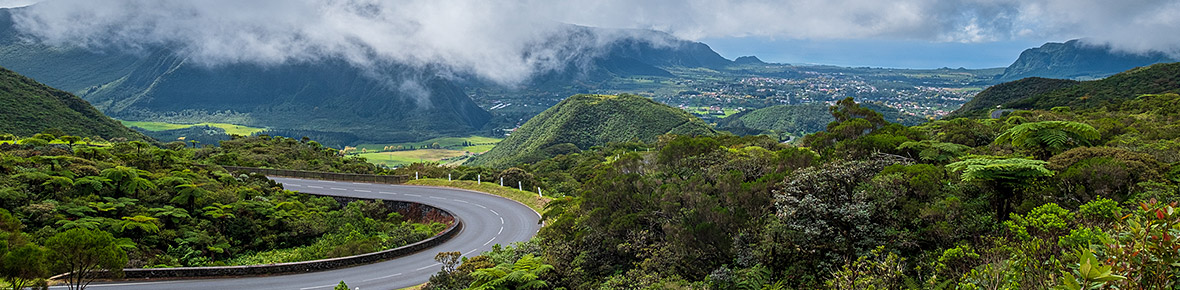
column 502, row 40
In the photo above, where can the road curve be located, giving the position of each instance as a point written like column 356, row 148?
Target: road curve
column 487, row 220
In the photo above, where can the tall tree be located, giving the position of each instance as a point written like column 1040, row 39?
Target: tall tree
column 23, row 266
column 83, row 253
column 1005, row 175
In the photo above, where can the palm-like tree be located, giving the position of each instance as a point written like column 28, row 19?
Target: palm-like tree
column 91, row 184
column 524, row 274
column 145, row 223
column 127, row 180
column 188, row 194
column 1049, row 138
column 1003, row 174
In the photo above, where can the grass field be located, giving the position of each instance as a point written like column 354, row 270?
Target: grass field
column 162, row 126
column 397, row 158
column 451, row 147
column 453, row 143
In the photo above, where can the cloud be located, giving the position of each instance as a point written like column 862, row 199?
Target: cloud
column 509, row 41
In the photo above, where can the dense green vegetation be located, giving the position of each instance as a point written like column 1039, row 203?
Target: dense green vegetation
column 28, row 107
column 788, row 121
column 1045, row 94
column 998, row 95
column 582, row 121
column 285, row 153
column 1065, row 199
column 152, row 207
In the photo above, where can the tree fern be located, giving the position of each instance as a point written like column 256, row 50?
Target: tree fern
column 1049, row 137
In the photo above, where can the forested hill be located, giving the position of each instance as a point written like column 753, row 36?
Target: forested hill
column 582, row 121
column 28, row 107
column 1000, row 94
column 798, row 120
column 1077, row 60
column 1044, row 94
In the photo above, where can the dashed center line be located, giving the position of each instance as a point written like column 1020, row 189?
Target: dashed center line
column 501, row 231
column 435, row 197
column 431, row 266
column 460, row 200
column 336, row 188
column 360, row 190
column 386, row 192
column 313, row 186
column 494, row 211
column 501, row 220
column 382, row 277
column 414, row 195
column 489, row 241
column 326, row 286
column 295, row 185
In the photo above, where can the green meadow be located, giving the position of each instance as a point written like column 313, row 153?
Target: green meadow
column 230, row 129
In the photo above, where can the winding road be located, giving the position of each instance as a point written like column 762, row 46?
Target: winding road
column 487, row 220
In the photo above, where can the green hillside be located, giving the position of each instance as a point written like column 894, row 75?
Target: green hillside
column 582, row 121
column 1044, row 94
column 28, row 107
column 799, row 120
column 1007, row 92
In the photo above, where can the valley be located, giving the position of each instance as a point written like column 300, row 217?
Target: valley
column 489, row 145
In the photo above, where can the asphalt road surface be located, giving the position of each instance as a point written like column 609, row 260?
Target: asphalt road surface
column 487, row 220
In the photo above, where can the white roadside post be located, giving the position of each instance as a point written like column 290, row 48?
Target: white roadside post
column 539, row 192
column 478, row 179
column 519, row 186
column 415, row 175
column 448, row 177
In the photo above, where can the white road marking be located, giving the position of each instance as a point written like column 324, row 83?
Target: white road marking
column 460, row 200
column 414, row 195
column 481, row 206
column 435, row 197
column 469, row 252
column 386, row 192
column 382, row 277
column 489, row 241
column 313, row 186
column 431, row 266
column 336, row 188
column 360, row 190
column 501, row 220
column 501, row 231
column 305, row 288
column 494, row 211
column 295, row 185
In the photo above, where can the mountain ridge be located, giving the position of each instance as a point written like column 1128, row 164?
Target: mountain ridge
column 1077, row 60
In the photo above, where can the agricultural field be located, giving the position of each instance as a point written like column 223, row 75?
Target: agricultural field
column 446, row 150
column 230, row 129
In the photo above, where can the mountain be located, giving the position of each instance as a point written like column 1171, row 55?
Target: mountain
column 750, row 59
column 583, row 121
column 323, row 97
column 1078, row 61
column 628, row 52
column 28, row 107
column 1044, row 94
column 801, row 119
